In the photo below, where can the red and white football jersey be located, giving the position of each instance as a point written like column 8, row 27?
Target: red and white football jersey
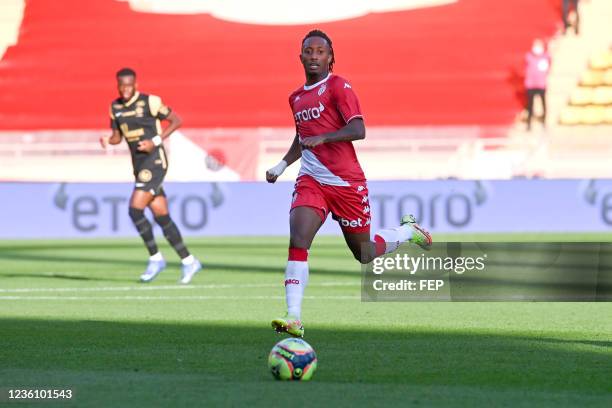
column 325, row 107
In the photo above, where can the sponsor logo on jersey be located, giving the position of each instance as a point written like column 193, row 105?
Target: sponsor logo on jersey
column 351, row 223
column 292, row 282
column 366, row 209
column 322, row 89
column 309, row 114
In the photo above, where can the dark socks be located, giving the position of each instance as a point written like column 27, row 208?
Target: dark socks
column 173, row 235
column 144, row 229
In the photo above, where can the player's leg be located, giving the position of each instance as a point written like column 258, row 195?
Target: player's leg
column 190, row 265
column 350, row 206
column 308, row 212
column 304, row 222
column 386, row 240
column 139, row 200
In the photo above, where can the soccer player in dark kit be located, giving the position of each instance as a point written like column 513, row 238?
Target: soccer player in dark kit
column 137, row 118
column 328, row 119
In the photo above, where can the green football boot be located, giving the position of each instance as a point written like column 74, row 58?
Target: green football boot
column 419, row 236
column 288, row 324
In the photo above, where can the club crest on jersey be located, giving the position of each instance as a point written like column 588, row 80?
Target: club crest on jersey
column 310, row 113
column 322, row 89
column 145, row 175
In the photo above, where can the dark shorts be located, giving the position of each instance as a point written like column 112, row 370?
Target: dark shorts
column 150, row 179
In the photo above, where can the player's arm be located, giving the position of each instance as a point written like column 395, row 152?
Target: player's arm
column 354, row 130
column 113, row 139
column 175, row 122
column 162, row 112
column 294, row 153
column 149, row 145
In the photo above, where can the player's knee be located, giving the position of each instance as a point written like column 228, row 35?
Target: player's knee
column 136, row 214
column 299, row 240
column 363, row 257
column 163, row 220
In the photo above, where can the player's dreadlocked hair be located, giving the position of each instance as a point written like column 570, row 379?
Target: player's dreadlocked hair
column 126, row 72
column 319, row 33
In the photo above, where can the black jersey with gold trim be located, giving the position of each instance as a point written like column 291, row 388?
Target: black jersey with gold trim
column 140, row 119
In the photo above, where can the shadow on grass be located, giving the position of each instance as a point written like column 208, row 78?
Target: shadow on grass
column 138, row 264
column 142, row 364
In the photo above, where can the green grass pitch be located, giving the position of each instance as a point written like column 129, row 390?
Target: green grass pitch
column 72, row 316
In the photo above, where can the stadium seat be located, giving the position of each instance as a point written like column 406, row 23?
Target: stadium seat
column 601, row 61
column 602, row 95
column 593, row 115
column 608, row 77
column 608, row 115
column 582, row 96
column 570, row 116
column 592, row 78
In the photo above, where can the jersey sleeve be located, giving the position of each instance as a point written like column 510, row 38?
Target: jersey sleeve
column 291, row 98
column 157, row 107
column 113, row 121
column 346, row 100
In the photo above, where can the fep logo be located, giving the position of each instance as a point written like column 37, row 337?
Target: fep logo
column 274, row 12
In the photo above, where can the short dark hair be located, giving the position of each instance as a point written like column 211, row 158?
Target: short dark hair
column 126, row 72
column 319, row 33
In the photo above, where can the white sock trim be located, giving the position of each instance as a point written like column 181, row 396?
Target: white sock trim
column 157, row 257
column 188, row 261
column 296, row 279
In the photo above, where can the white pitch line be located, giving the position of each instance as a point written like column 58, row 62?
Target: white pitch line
column 172, row 297
column 165, row 287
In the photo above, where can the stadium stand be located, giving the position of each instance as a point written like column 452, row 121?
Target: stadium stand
column 427, row 116
column 591, row 102
column 438, row 69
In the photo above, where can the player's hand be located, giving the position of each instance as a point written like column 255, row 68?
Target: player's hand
column 104, row 140
column 276, row 171
column 146, row 146
column 310, row 142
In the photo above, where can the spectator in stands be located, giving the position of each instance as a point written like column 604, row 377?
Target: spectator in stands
column 570, row 17
column 536, row 76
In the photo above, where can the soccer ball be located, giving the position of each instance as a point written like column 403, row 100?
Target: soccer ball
column 292, row 359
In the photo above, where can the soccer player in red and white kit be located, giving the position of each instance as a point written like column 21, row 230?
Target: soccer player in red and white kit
column 327, row 119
